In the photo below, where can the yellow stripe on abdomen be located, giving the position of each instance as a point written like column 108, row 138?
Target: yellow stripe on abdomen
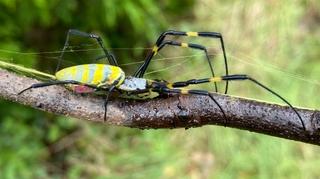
column 115, row 74
column 73, row 72
column 98, row 75
column 85, row 74
column 67, row 74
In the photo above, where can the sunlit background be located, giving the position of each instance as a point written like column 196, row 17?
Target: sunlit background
column 276, row 42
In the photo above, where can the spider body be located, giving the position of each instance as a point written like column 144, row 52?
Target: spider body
column 93, row 77
column 105, row 78
column 99, row 75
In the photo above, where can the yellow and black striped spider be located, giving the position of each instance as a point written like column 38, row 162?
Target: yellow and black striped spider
column 94, row 77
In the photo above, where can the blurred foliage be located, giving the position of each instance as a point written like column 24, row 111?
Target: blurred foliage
column 277, row 42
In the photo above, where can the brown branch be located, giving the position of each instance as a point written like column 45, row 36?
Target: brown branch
column 175, row 112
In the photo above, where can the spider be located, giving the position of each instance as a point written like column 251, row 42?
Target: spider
column 89, row 78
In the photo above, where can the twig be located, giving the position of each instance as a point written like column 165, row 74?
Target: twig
column 174, row 112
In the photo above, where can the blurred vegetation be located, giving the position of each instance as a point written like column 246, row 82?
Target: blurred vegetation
column 277, row 42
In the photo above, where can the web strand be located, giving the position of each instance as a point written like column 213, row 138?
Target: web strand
column 253, row 62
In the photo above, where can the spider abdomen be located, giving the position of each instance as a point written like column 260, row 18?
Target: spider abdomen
column 92, row 74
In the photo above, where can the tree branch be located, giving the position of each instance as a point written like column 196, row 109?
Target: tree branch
column 174, row 112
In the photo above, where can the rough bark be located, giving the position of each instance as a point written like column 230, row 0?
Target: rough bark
column 174, row 112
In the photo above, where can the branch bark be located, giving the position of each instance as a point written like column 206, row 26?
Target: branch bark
column 174, row 112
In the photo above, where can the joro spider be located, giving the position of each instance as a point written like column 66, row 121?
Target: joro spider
column 94, row 77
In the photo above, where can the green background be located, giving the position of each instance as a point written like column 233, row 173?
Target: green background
column 277, row 42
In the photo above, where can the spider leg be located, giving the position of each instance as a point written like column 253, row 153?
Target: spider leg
column 106, row 100
column 193, row 46
column 44, row 84
column 104, row 56
column 75, row 32
column 142, row 69
column 50, row 83
column 166, row 90
column 233, row 78
column 155, row 50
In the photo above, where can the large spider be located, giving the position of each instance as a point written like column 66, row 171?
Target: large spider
column 90, row 78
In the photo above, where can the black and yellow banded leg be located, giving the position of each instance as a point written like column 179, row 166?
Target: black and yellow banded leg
column 192, row 46
column 165, row 90
column 233, row 78
column 156, row 50
column 142, row 69
column 75, row 32
column 50, row 83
